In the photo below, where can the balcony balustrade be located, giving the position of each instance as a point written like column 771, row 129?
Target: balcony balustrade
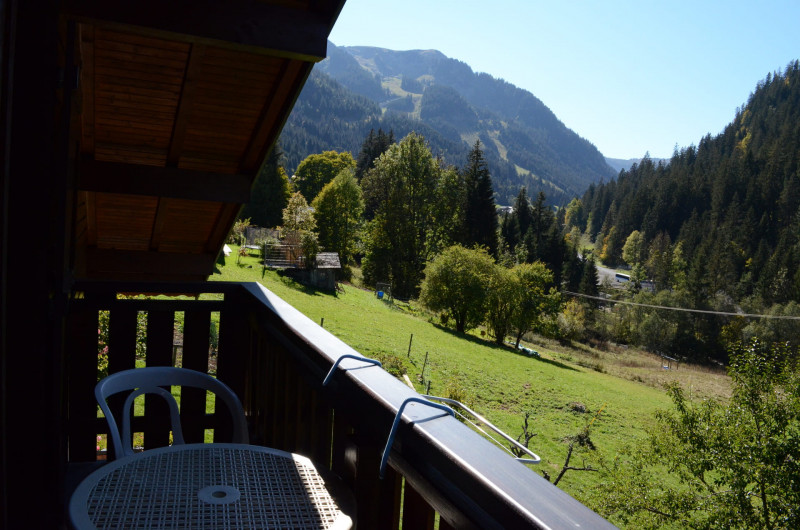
column 276, row 359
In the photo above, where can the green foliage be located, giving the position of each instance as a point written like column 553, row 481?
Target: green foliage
column 731, row 203
column 503, row 299
column 634, row 248
column 297, row 216
column 456, row 281
column 401, row 186
column 480, row 213
column 309, row 247
column 102, row 344
column 327, row 114
column 236, row 237
column 538, row 302
column 337, row 211
column 447, row 226
column 317, row 170
column 736, row 464
column 373, row 147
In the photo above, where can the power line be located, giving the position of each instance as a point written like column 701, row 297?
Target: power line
column 684, row 309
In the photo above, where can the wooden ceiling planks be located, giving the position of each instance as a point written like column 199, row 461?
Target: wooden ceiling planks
column 198, row 100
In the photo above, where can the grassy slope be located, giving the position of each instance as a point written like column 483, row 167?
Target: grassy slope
column 499, row 383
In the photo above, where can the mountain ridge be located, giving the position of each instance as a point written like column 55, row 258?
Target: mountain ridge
column 452, row 106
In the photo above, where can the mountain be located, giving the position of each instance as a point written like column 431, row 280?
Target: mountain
column 360, row 88
column 732, row 203
column 618, row 164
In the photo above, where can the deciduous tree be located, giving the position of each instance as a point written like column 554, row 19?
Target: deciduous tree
column 538, row 300
column 457, row 282
column 317, row 170
column 736, row 464
column 337, row 211
column 406, row 176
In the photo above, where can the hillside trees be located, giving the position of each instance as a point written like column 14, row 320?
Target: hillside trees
column 317, row 170
column 374, row 146
column 736, row 464
column 731, row 202
column 469, row 288
column 337, row 211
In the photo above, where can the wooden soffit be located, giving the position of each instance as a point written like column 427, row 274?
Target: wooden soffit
column 178, row 104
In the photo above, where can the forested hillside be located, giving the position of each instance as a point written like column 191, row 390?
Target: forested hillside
column 359, row 89
column 721, row 220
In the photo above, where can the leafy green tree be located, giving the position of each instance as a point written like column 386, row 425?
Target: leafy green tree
column 317, row 170
column 297, row 216
column 236, row 235
column 736, row 464
column 447, row 227
column 456, row 282
column 575, row 216
column 309, row 248
column 337, row 211
column 611, row 248
column 480, row 212
column 503, row 297
column 406, row 177
column 634, row 249
column 538, row 299
column 270, row 193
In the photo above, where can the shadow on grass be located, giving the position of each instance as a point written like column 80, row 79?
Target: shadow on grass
column 502, row 347
column 310, row 290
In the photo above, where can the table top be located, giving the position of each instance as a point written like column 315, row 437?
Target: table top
column 206, row 486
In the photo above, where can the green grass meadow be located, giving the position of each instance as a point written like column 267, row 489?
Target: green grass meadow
column 565, row 389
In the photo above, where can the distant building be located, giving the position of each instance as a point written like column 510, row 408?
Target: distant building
column 323, row 275
column 505, row 210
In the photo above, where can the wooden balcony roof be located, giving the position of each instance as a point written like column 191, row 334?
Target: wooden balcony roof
column 177, row 104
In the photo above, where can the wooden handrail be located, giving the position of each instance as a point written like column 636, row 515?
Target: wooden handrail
column 276, row 358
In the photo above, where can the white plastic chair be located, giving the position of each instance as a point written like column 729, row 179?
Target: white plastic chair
column 149, row 381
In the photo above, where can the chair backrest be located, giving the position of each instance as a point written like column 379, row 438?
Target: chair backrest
column 149, row 381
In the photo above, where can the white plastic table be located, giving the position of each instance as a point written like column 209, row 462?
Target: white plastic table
column 206, row 486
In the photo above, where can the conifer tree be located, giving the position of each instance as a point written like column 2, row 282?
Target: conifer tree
column 480, row 213
column 374, row 146
column 270, row 193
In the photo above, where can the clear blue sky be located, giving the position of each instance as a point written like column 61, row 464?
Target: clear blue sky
column 629, row 76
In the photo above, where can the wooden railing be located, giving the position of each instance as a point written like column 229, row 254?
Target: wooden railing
column 275, row 359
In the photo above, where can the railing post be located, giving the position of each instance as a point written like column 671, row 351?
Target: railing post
column 160, row 330
column 82, row 326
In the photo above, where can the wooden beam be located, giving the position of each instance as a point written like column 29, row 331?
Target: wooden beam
column 115, row 263
column 227, row 216
column 281, row 30
column 86, row 51
column 158, row 223
column 136, row 179
column 186, row 103
column 276, row 111
column 91, row 219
